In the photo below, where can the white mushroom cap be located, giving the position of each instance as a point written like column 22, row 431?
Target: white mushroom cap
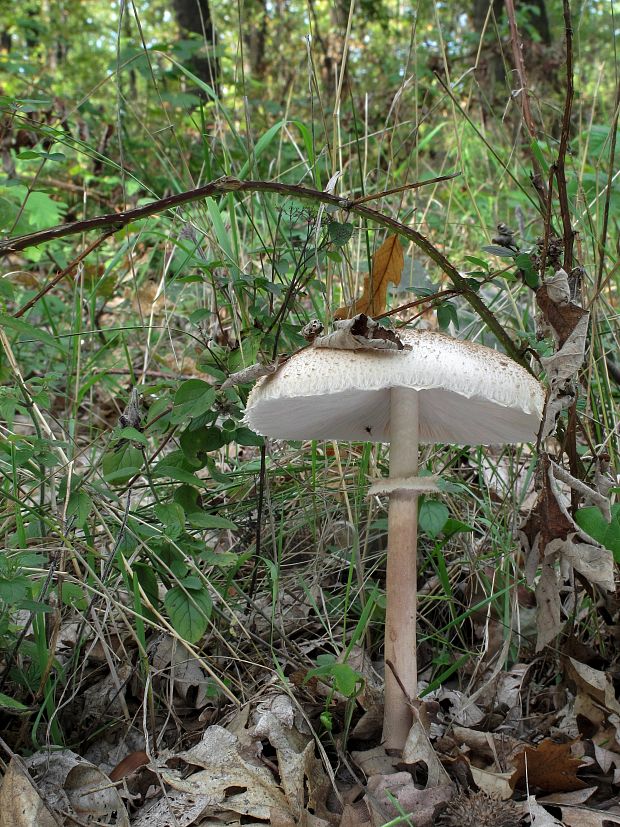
column 469, row 394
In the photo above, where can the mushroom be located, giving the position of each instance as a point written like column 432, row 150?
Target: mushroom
column 438, row 389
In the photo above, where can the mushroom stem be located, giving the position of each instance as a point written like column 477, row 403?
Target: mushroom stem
column 401, row 581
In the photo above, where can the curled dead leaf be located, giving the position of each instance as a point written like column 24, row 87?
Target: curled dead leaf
column 387, row 267
column 360, row 333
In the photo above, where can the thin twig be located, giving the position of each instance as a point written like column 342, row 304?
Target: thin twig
column 405, row 187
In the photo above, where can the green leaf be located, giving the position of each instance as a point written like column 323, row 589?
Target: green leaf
column 43, row 211
column 11, row 703
column 593, row 522
column 30, row 331
column 187, row 497
column 345, row 679
column 195, row 444
column 189, row 611
column 340, row 234
column 446, row 313
column 479, row 262
column 200, row 519
column 193, row 399
column 537, row 149
column 221, row 559
column 526, row 265
column 132, row 434
column 496, row 250
column 73, row 595
column 147, row 579
column 245, row 436
column 452, row 527
column 172, row 516
column 261, row 145
column 176, row 473
column 80, row 505
column 31, row 154
column 433, row 517
column 122, row 463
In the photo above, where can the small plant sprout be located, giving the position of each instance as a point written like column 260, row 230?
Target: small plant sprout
column 437, row 389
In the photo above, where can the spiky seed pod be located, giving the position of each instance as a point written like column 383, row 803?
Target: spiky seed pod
column 469, row 809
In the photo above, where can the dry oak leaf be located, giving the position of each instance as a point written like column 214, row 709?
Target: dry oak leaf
column 387, row 266
column 548, row 766
column 20, row 802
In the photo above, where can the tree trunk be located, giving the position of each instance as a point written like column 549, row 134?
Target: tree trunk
column 194, row 17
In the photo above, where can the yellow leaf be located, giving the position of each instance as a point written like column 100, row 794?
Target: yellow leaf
column 387, row 266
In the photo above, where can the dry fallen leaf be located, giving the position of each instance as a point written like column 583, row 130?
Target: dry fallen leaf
column 173, row 663
column 551, row 533
column 548, row 766
column 585, row 817
column 20, row 803
column 78, row 788
column 387, row 267
column 549, row 621
column 423, row 804
column 229, row 779
column 495, row 784
column 595, row 683
column 538, row 815
column 419, row 748
column 360, row 333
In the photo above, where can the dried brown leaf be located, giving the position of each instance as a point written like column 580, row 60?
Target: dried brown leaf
column 419, row 748
column 549, row 766
column 548, row 618
column 595, row 683
column 20, row 803
column 423, row 804
column 360, row 333
column 387, row 267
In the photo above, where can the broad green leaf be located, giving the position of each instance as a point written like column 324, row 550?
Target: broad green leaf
column 196, row 444
column 479, row 262
column 30, row 331
column 446, row 313
column 345, row 679
column 73, row 595
column 176, row 473
column 496, row 250
column 193, row 399
column 245, row 436
column 433, row 517
column 121, row 463
column 80, row 505
column 172, row 516
column 132, row 434
column 147, row 579
column 593, row 522
column 189, row 611
column 222, row 559
column 187, row 497
column 340, row 233
column 11, row 703
column 200, row 519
